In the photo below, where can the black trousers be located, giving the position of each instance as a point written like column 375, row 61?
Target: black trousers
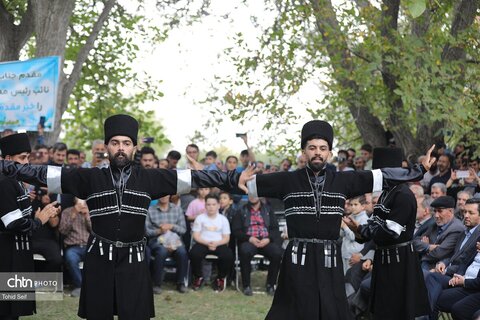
column 460, row 302
column 272, row 251
column 50, row 250
column 224, row 254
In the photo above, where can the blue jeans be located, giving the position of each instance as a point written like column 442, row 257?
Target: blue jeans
column 161, row 254
column 73, row 255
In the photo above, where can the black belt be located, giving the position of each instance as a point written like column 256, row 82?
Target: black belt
column 394, row 246
column 120, row 244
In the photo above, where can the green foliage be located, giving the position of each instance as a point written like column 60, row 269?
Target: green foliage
column 350, row 64
column 108, row 84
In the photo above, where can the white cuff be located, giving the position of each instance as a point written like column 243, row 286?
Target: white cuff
column 54, row 179
column 377, row 180
column 184, row 181
column 11, row 216
column 395, row 227
column 252, row 187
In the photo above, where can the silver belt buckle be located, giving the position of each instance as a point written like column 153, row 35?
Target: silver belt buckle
column 118, row 244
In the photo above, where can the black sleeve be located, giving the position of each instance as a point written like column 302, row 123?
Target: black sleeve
column 11, row 216
column 32, row 174
column 75, row 181
column 272, row 184
column 159, row 182
column 227, row 181
column 357, row 182
column 395, row 176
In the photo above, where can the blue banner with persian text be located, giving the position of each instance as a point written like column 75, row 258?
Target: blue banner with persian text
column 28, row 93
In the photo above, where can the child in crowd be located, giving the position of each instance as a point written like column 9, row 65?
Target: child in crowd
column 197, row 206
column 349, row 245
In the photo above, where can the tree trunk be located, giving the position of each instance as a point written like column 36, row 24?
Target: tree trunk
column 369, row 126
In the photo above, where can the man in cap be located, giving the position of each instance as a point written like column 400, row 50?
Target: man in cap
column 441, row 238
column 397, row 287
column 116, row 278
column 16, row 224
column 311, row 284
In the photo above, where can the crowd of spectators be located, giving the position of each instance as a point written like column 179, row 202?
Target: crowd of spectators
column 232, row 226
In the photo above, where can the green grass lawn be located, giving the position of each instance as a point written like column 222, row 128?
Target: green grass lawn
column 171, row 305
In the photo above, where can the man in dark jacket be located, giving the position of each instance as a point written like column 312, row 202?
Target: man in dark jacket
column 256, row 230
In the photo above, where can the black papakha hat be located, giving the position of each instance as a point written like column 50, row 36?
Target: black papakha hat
column 387, row 158
column 443, row 202
column 121, row 125
column 317, row 128
column 15, row 144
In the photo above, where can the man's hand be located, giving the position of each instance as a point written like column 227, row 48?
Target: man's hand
column 426, row 240
column 352, row 224
column 263, row 243
column 428, row 160
column 367, row 265
column 432, row 247
column 440, row 267
column 245, row 176
column 47, row 212
column 355, row 258
column 194, row 164
column 166, row 227
column 254, row 241
column 212, row 246
column 457, row 281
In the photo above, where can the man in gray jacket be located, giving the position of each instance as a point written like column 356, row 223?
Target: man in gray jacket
column 441, row 238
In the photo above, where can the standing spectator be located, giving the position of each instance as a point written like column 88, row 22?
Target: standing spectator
column 163, row 164
column 165, row 225
column 359, row 163
column 301, row 162
column 227, row 207
column 83, row 158
column 73, row 158
column 41, row 153
column 99, row 155
column 351, row 154
column 444, row 164
column 285, row 165
column 59, row 154
column 193, row 152
column 366, row 151
column 231, row 163
column 75, row 226
column 246, row 156
column 211, row 232
column 210, row 161
column 147, row 159
column 173, row 157
column 256, row 229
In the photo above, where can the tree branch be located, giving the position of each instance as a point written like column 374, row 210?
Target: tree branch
column 26, row 27
column 84, row 51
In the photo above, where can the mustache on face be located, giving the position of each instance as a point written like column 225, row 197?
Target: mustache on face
column 120, row 153
column 316, row 158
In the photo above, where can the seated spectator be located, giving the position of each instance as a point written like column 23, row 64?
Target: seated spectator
column 211, row 233
column 165, row 225
column 440, row 239
column 424, row 219
column 445, row 269
column 349, row 245
column 197, row 206
column 256, row 229
column 173, row 157
column 438, row 190
column 75, row 226
column 463, row 301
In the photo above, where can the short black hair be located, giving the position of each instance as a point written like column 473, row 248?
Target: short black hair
column 212, row 154
column 73, row 151
column 147, row 150
column 193, row 145
column 59, row 146
column 212, row 196
column 227, row 193
column 474, row 201
column 174, row 154
column 40, row 146
column 244, row 153
column 367, row 147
